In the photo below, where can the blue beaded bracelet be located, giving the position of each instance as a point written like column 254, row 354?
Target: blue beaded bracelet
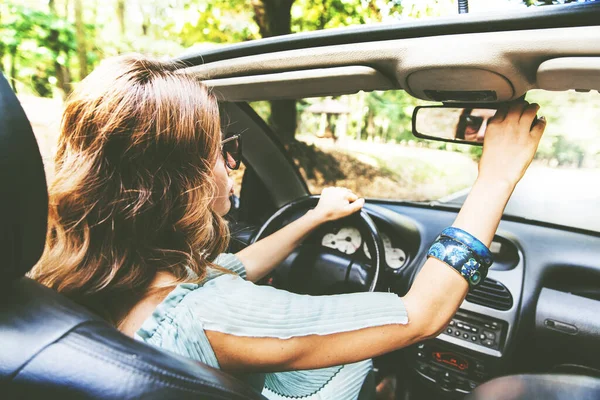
column 460, row 257
column 481, row 251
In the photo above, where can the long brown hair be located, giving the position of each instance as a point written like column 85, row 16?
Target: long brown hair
column 133, row 185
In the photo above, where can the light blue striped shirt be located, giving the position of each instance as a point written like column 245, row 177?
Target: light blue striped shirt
column 230, row 304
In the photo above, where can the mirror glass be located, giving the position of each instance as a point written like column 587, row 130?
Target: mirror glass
column 466, row 125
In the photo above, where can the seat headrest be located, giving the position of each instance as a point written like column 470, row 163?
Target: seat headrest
column 23, row 193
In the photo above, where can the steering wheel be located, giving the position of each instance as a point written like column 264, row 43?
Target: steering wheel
column 317, row 270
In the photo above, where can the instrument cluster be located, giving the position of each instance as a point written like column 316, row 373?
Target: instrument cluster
column 348, row 240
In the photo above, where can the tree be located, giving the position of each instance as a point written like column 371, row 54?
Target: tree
column 60, row 40
column 274, row 18
column 26, row 28
column 121, row 17
column 81, row 42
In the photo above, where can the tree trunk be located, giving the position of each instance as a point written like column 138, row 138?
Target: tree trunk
column 63, row 79
column 121, row 17
column 283, row 119
column 63, row 75
column 274, row 18
column 80, row 38
column 370, row 125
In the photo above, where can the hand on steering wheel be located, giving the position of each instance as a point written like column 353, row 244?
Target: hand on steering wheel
column 336, row 203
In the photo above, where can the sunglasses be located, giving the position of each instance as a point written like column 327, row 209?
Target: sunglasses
column 231, row 148
column 472, row 122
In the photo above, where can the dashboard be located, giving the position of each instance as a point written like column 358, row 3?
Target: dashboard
column 536, row 311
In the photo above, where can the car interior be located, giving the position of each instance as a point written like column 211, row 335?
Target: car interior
column 530, row 330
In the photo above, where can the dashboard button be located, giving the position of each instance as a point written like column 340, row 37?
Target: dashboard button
column 447, row 378
column 457, row 333
column 449, row 330
column 474, row 330
column 489, row 335
column 482, row 336
column 459, row 325
column 488, row 343
column 474, row 338
column 466, row 335
column 452, row 323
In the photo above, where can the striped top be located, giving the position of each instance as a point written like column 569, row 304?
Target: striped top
column 229, row 304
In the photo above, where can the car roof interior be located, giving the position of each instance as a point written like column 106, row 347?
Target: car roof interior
column 507, row 62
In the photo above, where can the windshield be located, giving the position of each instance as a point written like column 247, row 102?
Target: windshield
column 364, row 142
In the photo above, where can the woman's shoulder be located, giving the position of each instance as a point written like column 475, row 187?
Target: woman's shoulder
column 166, row 312
column 186, row 296
column 173, row 326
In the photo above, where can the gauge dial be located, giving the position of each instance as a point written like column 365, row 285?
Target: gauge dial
column 347, row 240
column 394, row 257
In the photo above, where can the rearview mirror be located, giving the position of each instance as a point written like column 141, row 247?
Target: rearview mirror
column 452, row 124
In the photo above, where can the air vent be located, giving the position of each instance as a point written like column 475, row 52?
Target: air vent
column 491, row 293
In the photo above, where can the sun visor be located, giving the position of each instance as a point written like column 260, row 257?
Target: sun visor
column 459, row 84
column 579, row 73
column 300, row 84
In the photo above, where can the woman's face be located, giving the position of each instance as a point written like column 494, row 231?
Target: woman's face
column 477, row 133
column 221, row 203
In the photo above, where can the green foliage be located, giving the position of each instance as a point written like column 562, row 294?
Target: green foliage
column 22, row 24
column 35, row 40
column 38, row 43
column 308, row 15
column 218, row 21
column 393, row 111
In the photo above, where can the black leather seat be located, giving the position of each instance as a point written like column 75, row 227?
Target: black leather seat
column 49, row 346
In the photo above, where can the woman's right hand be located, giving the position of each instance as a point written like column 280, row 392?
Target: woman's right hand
column 511, row 142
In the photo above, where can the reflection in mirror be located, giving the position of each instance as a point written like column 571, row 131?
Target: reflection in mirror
column 453, row 123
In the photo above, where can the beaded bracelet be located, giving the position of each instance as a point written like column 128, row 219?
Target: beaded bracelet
column 460, row 257
column 483, row 253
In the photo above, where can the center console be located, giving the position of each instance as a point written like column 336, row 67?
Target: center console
column 452, row 367
column 472, row 347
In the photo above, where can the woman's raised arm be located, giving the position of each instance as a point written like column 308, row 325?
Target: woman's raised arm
column 511, row 140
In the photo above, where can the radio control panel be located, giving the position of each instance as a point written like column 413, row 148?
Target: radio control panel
column 458, row 359
column 474, row 329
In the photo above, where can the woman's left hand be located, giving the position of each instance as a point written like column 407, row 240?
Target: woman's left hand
column 337, row 202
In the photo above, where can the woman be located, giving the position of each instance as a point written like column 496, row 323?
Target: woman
column 136, row 234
